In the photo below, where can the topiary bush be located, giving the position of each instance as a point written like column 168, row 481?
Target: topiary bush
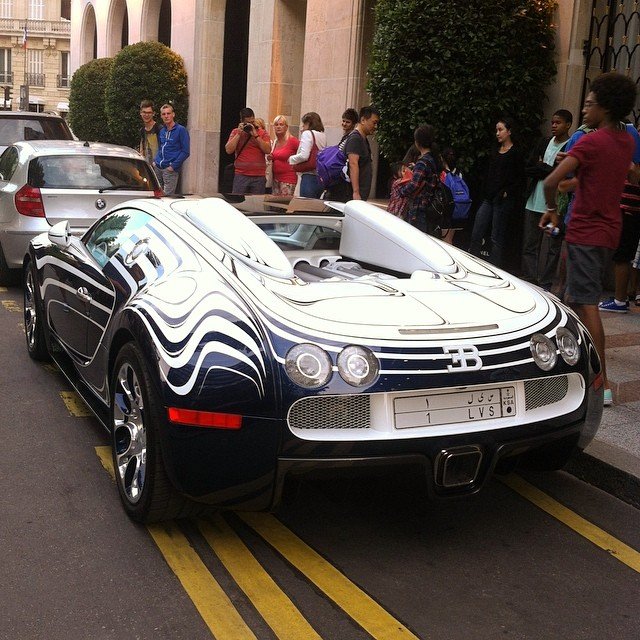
column 460, row 65
column 145, row 70
column 86, row 101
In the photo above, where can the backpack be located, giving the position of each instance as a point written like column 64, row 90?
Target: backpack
column 460, row 193
column 330, row 163
column 439, row 211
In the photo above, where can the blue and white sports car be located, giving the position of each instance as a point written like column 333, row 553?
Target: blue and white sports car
column 223, row 349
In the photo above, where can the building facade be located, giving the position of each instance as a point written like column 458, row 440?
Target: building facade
column 292, row 56
column 35, row 37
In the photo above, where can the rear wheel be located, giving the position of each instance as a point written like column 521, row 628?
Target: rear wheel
column 33, row 317
column 136, row 418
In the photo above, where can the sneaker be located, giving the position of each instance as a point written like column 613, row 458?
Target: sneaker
column 612, row 305
column 608, row 398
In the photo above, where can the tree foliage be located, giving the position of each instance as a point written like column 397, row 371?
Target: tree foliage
column 460, row 65
column 145, row 70
column 86, row 101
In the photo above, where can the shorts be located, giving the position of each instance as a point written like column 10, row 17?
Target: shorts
column 629, row 239
column 586, row 266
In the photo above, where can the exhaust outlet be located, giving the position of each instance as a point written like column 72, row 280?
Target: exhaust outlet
column 458, row 466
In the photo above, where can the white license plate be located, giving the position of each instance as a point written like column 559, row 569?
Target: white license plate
column 428, row 410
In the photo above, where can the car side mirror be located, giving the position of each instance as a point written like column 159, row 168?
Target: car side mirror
column 60, row 235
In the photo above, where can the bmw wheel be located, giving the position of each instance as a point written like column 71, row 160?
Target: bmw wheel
column 33, row 317
column 136, row 419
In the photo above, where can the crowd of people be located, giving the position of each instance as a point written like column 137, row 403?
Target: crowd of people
column 576, row 196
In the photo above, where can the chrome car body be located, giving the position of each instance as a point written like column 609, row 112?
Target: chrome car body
column 45, row 181
column 224, row 351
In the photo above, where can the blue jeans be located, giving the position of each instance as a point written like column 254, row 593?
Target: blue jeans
column 493, row 214
column 309, row 186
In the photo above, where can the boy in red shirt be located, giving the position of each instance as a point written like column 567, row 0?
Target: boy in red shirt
column 602, row 161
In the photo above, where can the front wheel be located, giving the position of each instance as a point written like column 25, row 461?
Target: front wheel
column 136, row 417
column 33, row 317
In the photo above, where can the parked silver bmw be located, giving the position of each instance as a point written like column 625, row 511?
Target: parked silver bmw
column 44, row 182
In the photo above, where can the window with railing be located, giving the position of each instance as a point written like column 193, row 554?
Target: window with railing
column 6, row 8
column 35, row 66
column 36, row 9
column 63, row 76
column 6, row 77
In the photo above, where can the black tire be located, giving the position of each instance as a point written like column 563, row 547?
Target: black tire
column 33, row 317
column 136, row 417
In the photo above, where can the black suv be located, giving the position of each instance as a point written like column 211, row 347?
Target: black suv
column 25, row 125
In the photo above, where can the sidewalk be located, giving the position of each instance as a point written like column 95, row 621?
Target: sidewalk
column 612, row 460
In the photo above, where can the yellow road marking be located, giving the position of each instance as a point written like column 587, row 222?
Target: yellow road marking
column 355, row 603
column 75, row 406
column 207, row 595
column 104, row 455
column 273, row 605
column 591, row 532
column 11, row 305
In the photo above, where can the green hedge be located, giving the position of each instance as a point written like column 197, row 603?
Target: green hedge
column 460, row 65
column 145, row 70
column 86, row 101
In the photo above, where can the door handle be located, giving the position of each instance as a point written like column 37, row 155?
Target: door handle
column 83, row 294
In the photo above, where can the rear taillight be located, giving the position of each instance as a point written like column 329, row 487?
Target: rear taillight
column 29, row 202
column 158, row 193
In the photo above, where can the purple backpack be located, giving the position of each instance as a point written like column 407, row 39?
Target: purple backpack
column 329, row 165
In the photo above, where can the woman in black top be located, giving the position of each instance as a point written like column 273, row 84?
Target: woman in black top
column 501, row 191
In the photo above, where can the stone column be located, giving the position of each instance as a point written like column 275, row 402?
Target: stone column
column 198, row 34
column 572, row 21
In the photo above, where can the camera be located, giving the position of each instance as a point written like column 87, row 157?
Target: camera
column 247, row 128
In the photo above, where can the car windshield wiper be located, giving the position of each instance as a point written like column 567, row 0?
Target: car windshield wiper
column 117, row 187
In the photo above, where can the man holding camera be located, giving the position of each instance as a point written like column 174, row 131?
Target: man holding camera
column 249, row 143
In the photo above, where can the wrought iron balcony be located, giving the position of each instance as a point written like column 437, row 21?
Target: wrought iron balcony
column 63, row 81
column 35, row 79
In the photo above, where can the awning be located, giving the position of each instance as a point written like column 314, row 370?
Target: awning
column 36, row 100
column 63, row 106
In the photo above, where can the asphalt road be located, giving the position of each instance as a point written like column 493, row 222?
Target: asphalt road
column 538, row 557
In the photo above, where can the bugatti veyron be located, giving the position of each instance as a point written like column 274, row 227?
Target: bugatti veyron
column 224, row 349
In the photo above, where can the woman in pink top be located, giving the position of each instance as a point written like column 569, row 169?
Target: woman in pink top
column 284, row 146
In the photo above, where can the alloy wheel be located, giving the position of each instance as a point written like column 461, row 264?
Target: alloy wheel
column 129, row 433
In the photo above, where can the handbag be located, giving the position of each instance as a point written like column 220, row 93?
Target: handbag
column 310, row 163
column 268, row 170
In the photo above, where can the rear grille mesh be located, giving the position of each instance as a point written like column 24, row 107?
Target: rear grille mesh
column 544, row 391
column 331, row 412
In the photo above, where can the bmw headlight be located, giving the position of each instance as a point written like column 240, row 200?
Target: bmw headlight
column 308, row 365
column 543, row 351
column 358, row 366
column 568, row 345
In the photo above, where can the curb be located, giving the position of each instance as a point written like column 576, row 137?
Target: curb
column 609, row 468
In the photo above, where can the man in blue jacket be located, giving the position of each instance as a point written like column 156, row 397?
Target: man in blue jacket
column 173, row 150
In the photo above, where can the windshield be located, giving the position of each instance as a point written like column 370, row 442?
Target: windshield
column 91, row 172
column 16, row 129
